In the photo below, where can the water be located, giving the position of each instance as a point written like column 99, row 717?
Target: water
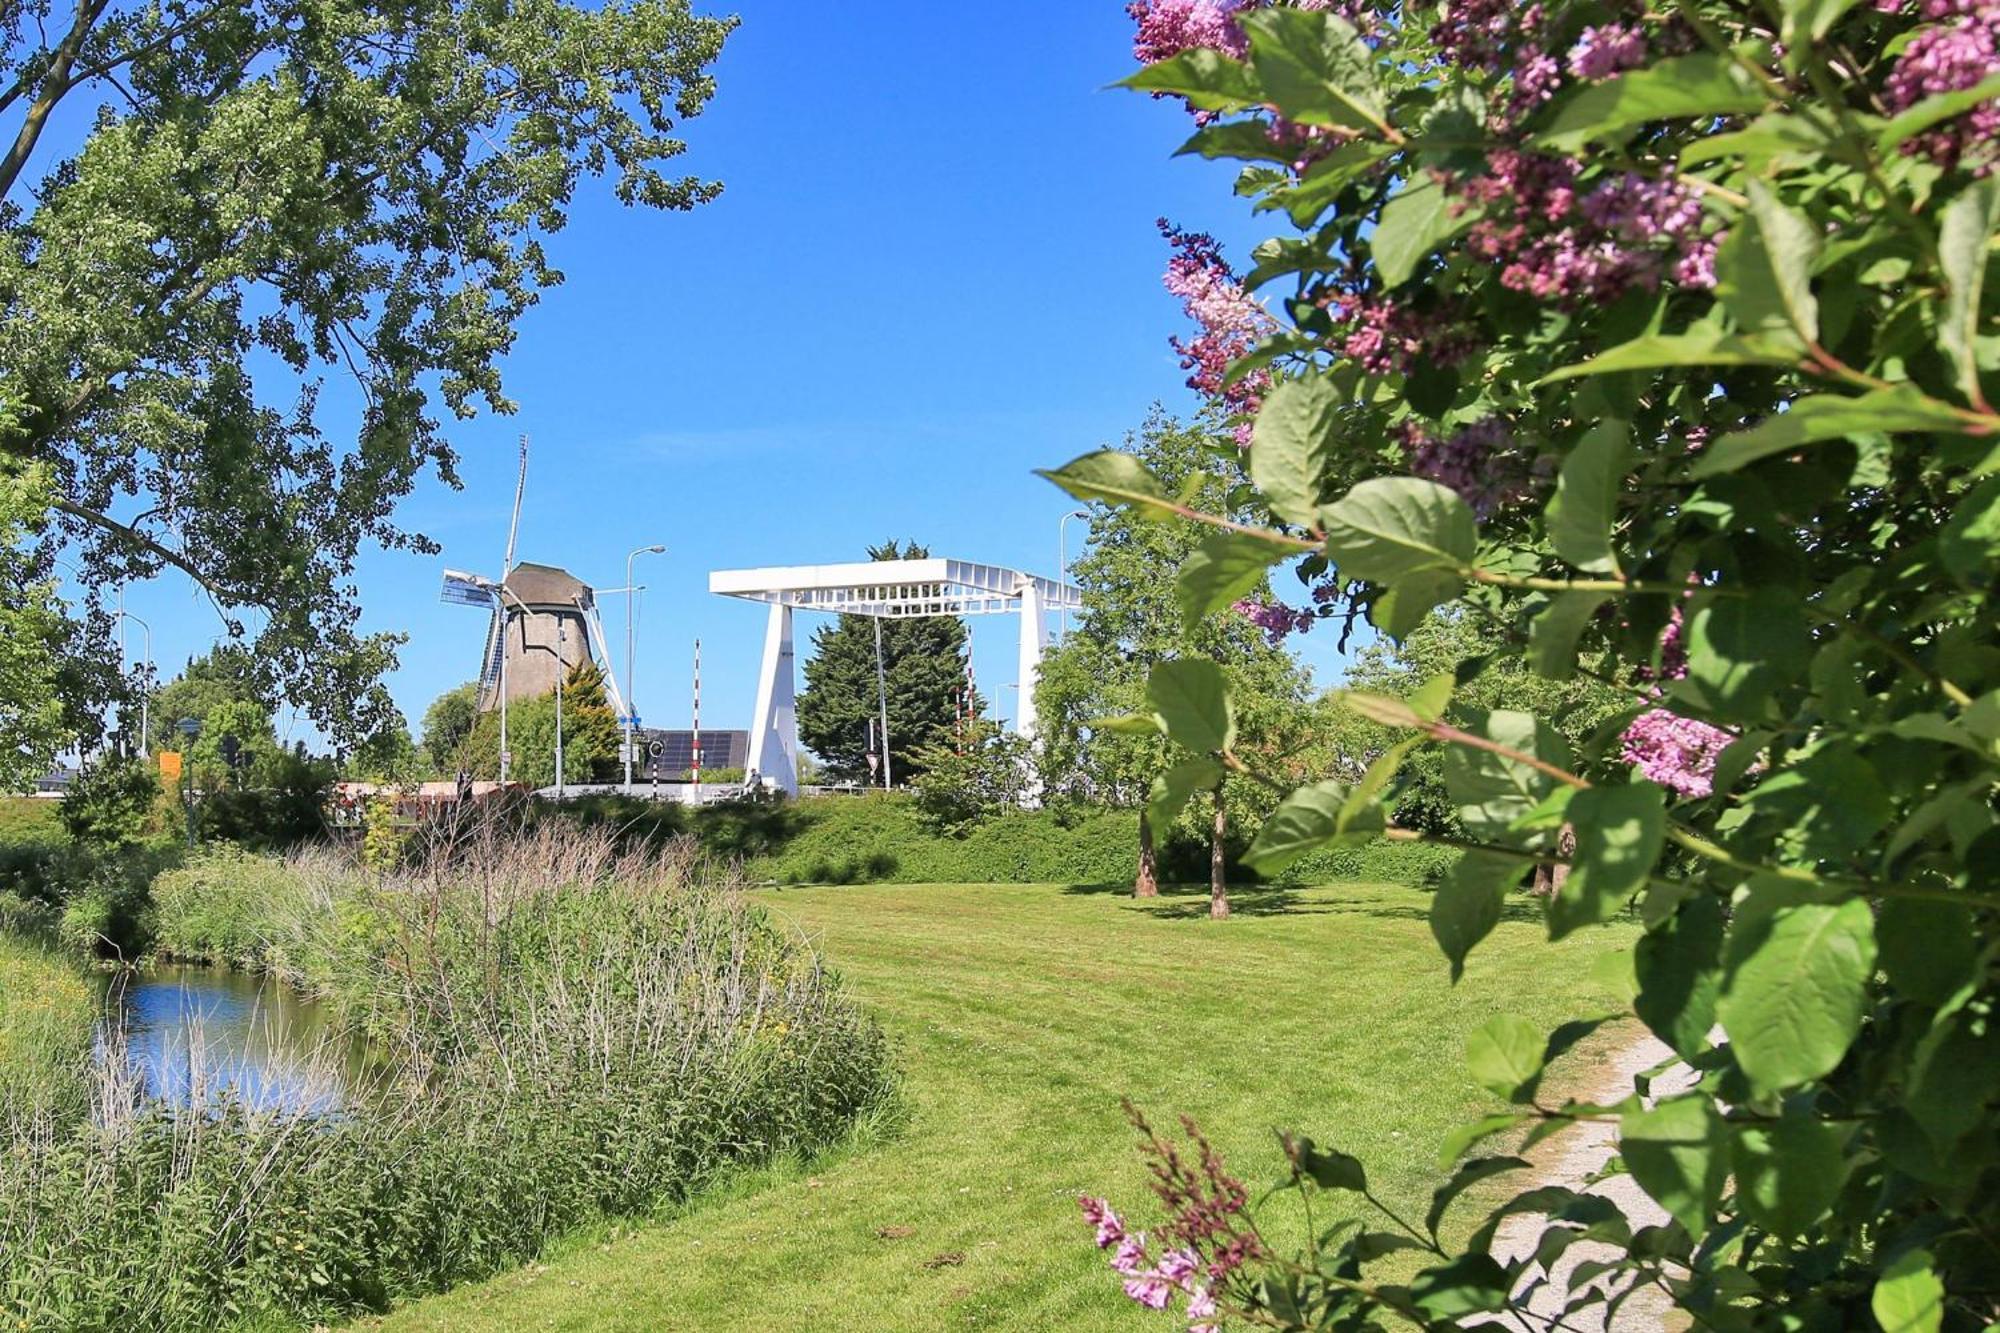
column 189, row 1033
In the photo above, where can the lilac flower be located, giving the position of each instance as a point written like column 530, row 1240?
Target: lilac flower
column 1201, row 1304
column 1150, row 1291
column 1231, row 323
column 1384, row 336
column 1951, row 55
column 1677, row 752
column 1275, row 618
column 1480, row 462
column 1098, row 1213
column 1131, row 1256
column 1169, row 27
column 1603, row 51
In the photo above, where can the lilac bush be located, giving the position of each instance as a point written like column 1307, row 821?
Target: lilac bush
column 1663, row 343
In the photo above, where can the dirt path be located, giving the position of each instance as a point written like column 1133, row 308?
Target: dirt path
column 1570, row 1159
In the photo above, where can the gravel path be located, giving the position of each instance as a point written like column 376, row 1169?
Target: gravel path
column 1571, row 1158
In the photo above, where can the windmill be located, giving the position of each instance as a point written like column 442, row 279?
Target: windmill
column 463, row 589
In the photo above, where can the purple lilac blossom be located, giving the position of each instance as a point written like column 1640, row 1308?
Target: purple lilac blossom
column 1603, row 51
column 1110, row 1227
column 1275, row 618
column 1169, row 27
column 1479, row 461
column 1961, row 49
column 1131, row 1256
column 1150, row 1291
column 1677, row 752
column 1231, row 323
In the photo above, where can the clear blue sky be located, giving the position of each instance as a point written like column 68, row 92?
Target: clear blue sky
column 934, row 268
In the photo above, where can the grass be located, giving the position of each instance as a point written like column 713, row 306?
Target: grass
column 1024, row 1012
column 47, row 1010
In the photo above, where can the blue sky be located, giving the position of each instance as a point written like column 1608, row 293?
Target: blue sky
column 934, row 268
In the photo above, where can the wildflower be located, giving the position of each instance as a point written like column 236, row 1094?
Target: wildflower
column 1098, row 1213
column 1149, row 1291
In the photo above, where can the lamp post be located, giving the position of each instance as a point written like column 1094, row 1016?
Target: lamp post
column 189, row 727
column 631, row 685
column 1062, row 564
column 146, row 699
column 562, row 664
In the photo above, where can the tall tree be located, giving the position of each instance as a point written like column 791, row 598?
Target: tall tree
column 33, row 636
column 269, row 191
column 924, row 663
column 447, row 724
column 589, row 731
column 225, row 674
column 1132, row 621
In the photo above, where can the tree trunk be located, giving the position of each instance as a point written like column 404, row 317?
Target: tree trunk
column 1549, row 875
column 1218, row 885
column 1147, row 884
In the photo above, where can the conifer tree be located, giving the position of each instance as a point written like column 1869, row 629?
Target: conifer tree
column 924, row 664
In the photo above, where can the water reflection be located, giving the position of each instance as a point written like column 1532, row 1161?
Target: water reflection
column 190, row 1034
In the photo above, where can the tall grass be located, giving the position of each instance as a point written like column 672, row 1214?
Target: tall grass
column 570, row 1033
column 47, row 1012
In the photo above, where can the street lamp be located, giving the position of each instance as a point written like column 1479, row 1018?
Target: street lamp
column 190, row 727
column 1062, row 565
column 631, row 718
column 146, row 699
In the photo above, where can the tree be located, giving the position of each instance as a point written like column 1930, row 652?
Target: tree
column 268, row 191
column 1131, row 622
column 924, row 663
column 225, row 674
column 236, row 737
column 447, row 725
column 1662, row 343
column 978, row 773
column 33, row 638
column 389, row 755
column 590, row 735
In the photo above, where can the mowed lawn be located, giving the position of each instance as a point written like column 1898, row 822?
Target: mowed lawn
column 1023, row 1014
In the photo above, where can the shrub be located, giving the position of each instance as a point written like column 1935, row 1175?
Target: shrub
column 576, row 1033
column 1660, row 340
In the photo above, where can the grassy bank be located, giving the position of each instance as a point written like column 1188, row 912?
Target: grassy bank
column 568, row 1035
column 47, row 1011
column 1024, row 1013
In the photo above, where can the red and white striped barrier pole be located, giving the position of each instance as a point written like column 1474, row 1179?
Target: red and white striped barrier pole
column 697, row 721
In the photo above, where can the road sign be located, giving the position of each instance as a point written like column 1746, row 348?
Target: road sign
column 507, row 757
column 170, row 765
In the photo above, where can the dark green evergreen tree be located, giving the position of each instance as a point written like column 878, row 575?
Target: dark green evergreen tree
column 924, row 663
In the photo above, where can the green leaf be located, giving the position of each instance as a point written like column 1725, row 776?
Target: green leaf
column 1493, row 791
column 1678, row 1155
column 1704, row 85
column 1128, row 724
column 1329, row 1168
column 1909, row 1296
column 1207, row 78
column 1788, row 1172
column 1191, row 696
column 1174, row 788
column 1928, row 949
column 1504, row 1055
column 1415, row 221
column 1658, row 351
column 1826, row 803
column 1742, row 650
column 1114, row 477
column 1367, row 792
column 1679, row 966
column 1315, row 68
column 1965, row 237
column 1804, row 24
column 1469, row 1284
column 1829, row 416
column 1619, row 833
column 1941, row 106
column 1776, row 135
column 1794, row 990
column 1431, row 698
column 1953, row 1078
column 1248, row 140
column 1968, row 545
column 1392, row 526
column 1775, row 270
column 1223, row 568
column 1553, row 633
column 1405, row 604
column 1464, row 1136
column 1463, row 1179
column 1383, row 708
column 1304, row 821
column 1468, row 903
column 1580, row 517
column 1291, row 443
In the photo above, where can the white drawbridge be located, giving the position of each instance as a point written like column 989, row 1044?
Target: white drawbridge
column 889, row 590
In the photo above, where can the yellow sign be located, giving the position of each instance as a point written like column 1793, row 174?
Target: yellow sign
column 170, row 765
